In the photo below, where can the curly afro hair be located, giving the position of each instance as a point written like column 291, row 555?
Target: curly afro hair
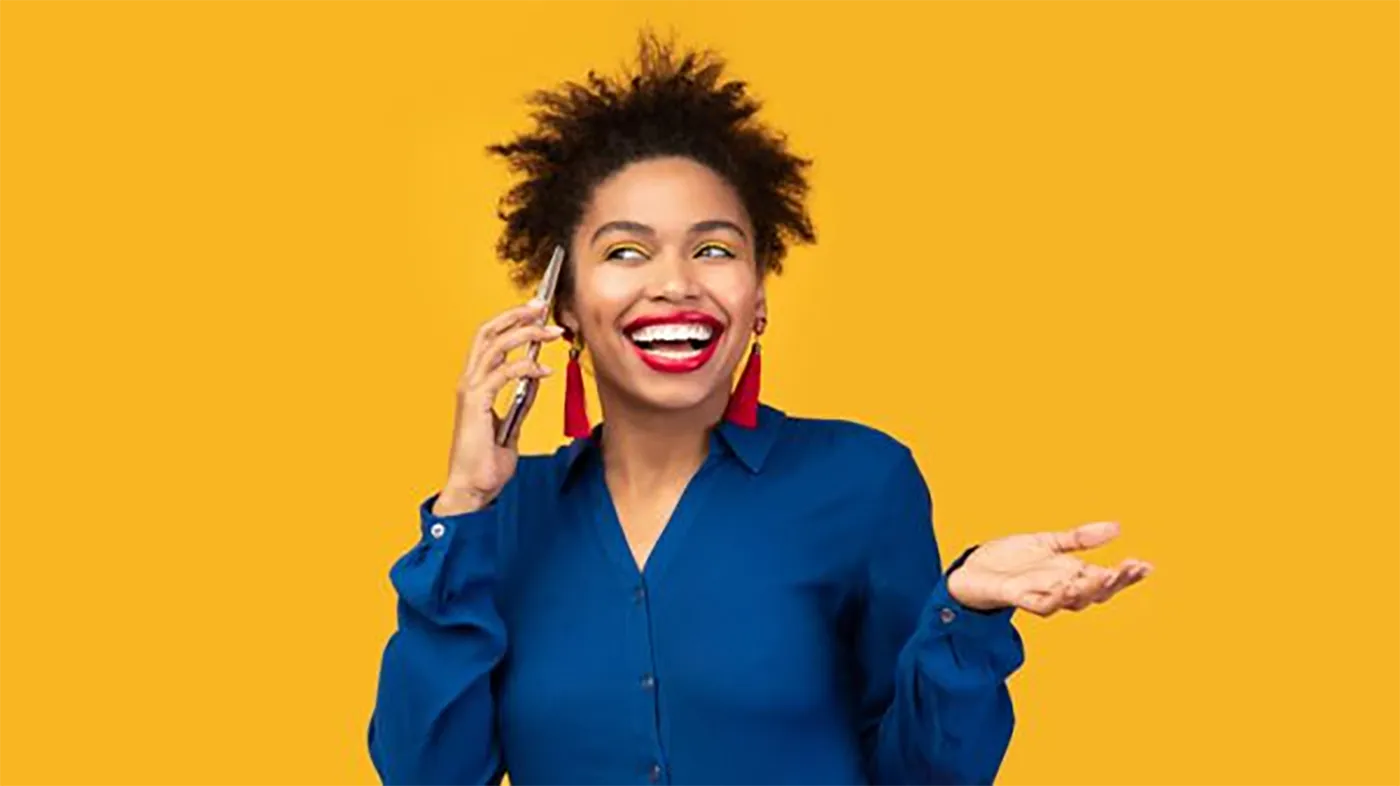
column 674, row 104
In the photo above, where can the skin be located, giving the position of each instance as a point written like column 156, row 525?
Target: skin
column 663, row 236
column 660, row 237
column 666, row 235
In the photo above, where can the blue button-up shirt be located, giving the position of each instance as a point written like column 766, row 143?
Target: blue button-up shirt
column 791, row 625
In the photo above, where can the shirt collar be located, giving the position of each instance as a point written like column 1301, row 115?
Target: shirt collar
column 749, row 445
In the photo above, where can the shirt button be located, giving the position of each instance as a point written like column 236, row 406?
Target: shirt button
column 648, row 682
column 946, row 615
column 639, row 595
column 655, row 773
column 437, row 530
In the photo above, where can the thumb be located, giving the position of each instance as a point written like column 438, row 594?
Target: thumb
column 1086, row 536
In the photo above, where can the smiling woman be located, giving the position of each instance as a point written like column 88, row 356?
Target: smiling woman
column 702, row 589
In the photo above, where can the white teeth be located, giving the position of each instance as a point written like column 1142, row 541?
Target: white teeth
column 674, row 354
column 675, row 331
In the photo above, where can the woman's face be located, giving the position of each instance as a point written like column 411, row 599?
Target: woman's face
column 666, row 287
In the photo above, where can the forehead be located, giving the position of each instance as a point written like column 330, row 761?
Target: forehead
column 669, row 194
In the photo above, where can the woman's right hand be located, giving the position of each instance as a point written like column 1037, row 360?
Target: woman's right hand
column 479, row 468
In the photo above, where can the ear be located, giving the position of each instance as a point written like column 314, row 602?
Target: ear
column 760, row 310
column 564, row 315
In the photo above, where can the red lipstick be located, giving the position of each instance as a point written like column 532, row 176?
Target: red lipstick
column 680, row 364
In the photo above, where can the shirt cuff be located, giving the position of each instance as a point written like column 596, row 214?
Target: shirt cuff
column 435, row 528
column 945, row 614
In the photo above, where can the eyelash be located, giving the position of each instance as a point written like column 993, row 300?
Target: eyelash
column 727, row 252
column 624, row 247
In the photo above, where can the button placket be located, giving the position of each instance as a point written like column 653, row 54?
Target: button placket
column 654, row 766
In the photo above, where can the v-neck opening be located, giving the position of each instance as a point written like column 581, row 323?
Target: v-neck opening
column 614, row 536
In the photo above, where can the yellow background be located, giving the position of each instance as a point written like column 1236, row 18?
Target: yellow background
column 1130, row 260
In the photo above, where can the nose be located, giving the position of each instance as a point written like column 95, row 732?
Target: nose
column 674, row 279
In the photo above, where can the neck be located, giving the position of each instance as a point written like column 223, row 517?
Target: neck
column 645, row 447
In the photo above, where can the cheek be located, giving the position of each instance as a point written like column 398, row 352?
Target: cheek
column 735, row 289
column 604, row 293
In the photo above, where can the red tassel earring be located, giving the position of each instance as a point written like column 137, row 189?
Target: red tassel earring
column 743, row 402
column 575, row 405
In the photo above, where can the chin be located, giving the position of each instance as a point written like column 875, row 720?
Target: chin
column 678, row 396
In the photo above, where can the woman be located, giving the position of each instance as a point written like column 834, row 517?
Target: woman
column 704, row 589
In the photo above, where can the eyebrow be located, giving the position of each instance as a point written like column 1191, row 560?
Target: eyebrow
column 623, row 226
column 717, row 223
column 642, row 229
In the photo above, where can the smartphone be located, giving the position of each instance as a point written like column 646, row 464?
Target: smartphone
column 525, row 388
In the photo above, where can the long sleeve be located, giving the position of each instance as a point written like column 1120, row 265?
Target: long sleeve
column 934, row 700
column 434, row 718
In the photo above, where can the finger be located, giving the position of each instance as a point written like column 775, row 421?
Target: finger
column 530, row 396
column 1135, row 575
column 527, row 313
column 1044, row 603
column 1046, row 575
column 485, row 394
column 1118, row 576
column 530, row 311
column 493, row 354
column 1110, row 585
column 1083, row 537
column 1133, row 572
column 1074, row 587
column 1084, row 588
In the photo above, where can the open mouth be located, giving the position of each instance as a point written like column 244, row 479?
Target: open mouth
column 675, row 343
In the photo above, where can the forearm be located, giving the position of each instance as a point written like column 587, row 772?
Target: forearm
column 435, row 681
column 950, row 719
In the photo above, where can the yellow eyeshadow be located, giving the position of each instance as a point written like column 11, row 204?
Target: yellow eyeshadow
column 624, row 246
column 717, row 244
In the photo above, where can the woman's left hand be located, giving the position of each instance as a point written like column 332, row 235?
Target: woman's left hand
column 1039, row 573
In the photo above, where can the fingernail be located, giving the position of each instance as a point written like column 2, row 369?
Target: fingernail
column 535, row 303
column 555, row 330
column 546, row 370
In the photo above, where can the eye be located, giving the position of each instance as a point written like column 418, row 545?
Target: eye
column 715, row 251
column 627, row 252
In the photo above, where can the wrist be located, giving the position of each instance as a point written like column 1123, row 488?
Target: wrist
column 456, row 499
column 964, row 589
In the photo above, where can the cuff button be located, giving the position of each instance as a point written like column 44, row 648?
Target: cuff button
column 437, row 530
column 946, row 615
